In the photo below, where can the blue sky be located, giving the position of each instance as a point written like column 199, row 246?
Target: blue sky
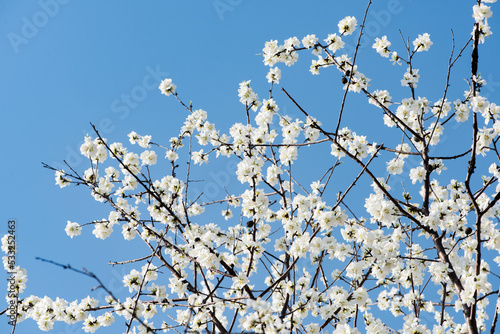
column 68, row 63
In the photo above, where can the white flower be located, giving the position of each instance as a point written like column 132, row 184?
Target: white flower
column 441, row 108
column 5, row 244
column 73, row 229
column 300, row 246
column 167, row 87
column 382, row 46
column 395, row 166
column 437, row 165
column 144, row 141
column 410, row 78
column 131, row 161
column 118, row 150
column 274, row 75
column 309, row 41
column 334, row 42
column 177, row 286
column 395, row 58
column 481, row 12
column 417, row 174
column 62, row 181
column 129, row 182
column 112, row 173
column 347, row 25
column 227, row 214
column 195, row 209
column 288, row 154
column 269, row 51
column 199, row 158
column 148, row 158
column 345, row 329
column 484, row 31
column 247, row 96
column 272, row 174
column 382, row 96
column 90, row 175
column 88, row 148
column 292, row 43
column 422, row 43
column 461, row 111
column 171, row 155
column 128, row 231
column 403, row 149
column 133, row 137
column 269, row 105
column 133, row 280
column 91, row 324
column 316, row 186
column 106, row 319
column 102, row 230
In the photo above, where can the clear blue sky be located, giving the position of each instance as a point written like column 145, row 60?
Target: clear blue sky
column 68, row 63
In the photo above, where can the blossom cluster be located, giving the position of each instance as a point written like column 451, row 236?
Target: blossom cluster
column 288, row 253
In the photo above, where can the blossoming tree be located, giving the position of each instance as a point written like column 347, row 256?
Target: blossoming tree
column 423, row 253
